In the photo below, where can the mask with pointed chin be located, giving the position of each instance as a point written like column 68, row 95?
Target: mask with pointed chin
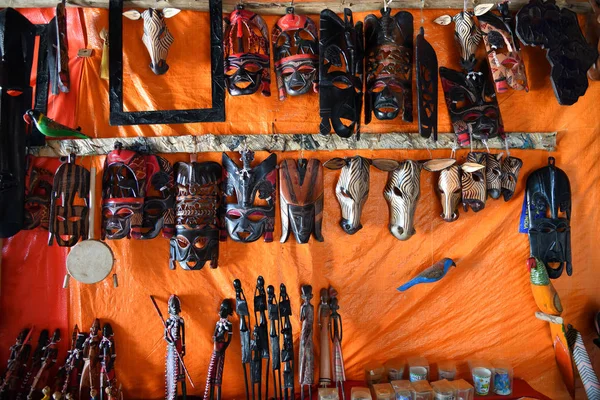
column 247, row 220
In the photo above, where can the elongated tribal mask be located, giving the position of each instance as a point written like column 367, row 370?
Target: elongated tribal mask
column 197, row 215
column 340, row 73
column 38, row 190
column 352, row 189
column 245, row 218
column 123, row 192
column 158, row 204
column 427, row 87
column 389, row 54
column 503, row 51
column 402, row 193
column 69, row 203
column 157, row 37
column 549, row 210
column 247, row 60
column 301, row 199
column 296, row 54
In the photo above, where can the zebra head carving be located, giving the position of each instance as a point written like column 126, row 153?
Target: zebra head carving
column 449, row 189
column 157, row 37
column 493, row 175
column 402, row 193
column 473, row 181
column 352, row 188
column 467, row 36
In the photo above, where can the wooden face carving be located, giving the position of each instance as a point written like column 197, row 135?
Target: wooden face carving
column 467, row 36
column 157, row 37
column 493, row 175
column 352, row 188
column 450, row 192
column 510, row 172
column 473, row 181
column 402, row 193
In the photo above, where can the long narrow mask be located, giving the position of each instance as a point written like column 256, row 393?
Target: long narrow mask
column 389, row 55
column 198, row 224
column 340, row 73
column 301, row 199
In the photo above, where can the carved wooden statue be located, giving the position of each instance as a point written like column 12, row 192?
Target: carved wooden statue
column 306, row 372
column 90, row 374
column 324, row 314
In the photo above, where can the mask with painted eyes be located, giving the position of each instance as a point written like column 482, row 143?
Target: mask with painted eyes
column 37, row 196
column 123, row 192
column 158, row 204
column 197, row 218
column 389, row 53
column 246, row 220
column 472, row 104
column 296, row 54
column 503, row 52
column 340, row 73
column 549, row 210
column 69, row 200
column 246, row 47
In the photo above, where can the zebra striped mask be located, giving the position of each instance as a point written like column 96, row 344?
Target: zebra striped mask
column 467, row 36
column 352, row 189
column 402, row 193
column 157, row 37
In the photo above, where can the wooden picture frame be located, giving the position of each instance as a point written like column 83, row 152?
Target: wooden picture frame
column 119, row 117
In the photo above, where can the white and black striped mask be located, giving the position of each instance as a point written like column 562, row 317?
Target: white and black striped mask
column 157, row 37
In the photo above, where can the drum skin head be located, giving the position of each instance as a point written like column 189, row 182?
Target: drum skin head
column 90, row 261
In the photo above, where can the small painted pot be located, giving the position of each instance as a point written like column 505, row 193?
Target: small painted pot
column 418, row 374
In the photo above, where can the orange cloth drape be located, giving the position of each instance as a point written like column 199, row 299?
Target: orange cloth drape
column 483, row 308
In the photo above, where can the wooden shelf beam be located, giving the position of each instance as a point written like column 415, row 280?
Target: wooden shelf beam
column 278, row 7
column 284, row 142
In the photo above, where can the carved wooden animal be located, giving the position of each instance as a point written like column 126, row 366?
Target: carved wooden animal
column 157, row 37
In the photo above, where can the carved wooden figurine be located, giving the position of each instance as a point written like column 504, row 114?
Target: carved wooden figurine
column 48, row 359
column 90, row 374
column 274, row 332
column 241, row 309
column 175, row 338
column 324, row 314
column 336, row 332
column 221, row 339
column 261, row 337
column 287, row 351
column 306, row 372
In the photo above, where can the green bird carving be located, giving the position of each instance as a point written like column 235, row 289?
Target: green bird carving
column 51, row 128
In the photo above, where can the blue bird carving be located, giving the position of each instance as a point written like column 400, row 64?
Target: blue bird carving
column 432, row 274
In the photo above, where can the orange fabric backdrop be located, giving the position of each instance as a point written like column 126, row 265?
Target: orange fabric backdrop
column 483, row 308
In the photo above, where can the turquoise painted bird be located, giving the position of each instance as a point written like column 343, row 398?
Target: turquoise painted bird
column 432, row 274
column 51, row 128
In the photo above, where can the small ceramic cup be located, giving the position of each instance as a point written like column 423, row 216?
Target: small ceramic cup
column 447, row 374
column 418, row 374
column 443, row 396
column 481, row 380
column 502, row 382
